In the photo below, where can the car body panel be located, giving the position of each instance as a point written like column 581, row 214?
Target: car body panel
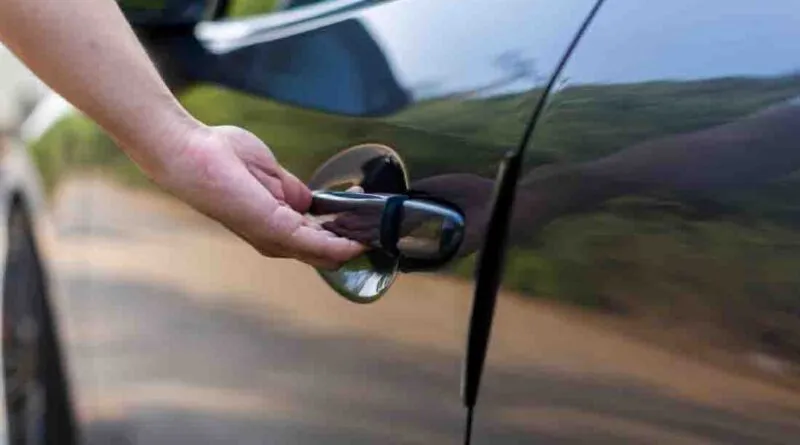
column 180, row 332
column 651, row 303
column 649, row 292
column 168, row 13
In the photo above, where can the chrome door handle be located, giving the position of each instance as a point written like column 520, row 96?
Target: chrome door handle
column 405, row 232
column 327, row 202
column 421, row 234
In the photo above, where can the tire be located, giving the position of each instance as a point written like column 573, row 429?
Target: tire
column 37, row 397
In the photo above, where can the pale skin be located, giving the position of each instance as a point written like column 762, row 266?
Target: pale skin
column 86, row 51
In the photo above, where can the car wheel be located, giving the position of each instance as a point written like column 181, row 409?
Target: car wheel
column 36, row 396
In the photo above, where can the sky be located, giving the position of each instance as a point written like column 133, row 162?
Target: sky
column 633, row 40
column 458, row 42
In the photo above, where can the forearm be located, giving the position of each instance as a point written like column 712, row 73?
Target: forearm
column 549, row 192
column 742, row 153
column 86, row 51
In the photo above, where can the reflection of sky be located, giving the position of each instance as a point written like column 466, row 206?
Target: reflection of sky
column 363, row 283
column 633, row 40
column 455, row 44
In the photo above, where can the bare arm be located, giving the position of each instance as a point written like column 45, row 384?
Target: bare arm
column 86, row 51
column 740, row 154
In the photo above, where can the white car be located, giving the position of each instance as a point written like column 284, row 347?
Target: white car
column 37, row 405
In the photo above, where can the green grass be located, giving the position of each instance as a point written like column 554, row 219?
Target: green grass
column 241, row 8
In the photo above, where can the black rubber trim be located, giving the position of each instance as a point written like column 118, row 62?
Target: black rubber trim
column 490, row 273
column 390, row 224
column 489, row 269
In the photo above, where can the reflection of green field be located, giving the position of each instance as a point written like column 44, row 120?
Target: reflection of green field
column 249, row 7
column 646, row 257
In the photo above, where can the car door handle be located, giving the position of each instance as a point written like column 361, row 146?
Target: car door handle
column 422, row 234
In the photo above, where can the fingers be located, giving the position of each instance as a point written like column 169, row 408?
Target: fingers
column 301, row 238
column 322, row 247
column 291, row 234
column 272, row 183
column 270, row 208
column 233, row 178
column 262, row 164
column 366, row 219
column 283, row 185
column 296, row 193
column 367, row 235
column 311, row 244
column 311, row 222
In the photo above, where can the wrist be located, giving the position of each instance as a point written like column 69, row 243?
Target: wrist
column 160, row 140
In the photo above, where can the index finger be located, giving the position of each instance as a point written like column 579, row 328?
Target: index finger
column 317, row 243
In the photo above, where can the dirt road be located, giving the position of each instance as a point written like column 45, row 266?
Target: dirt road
column 180, row 333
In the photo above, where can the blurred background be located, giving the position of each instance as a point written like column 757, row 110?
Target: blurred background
column 19, row 90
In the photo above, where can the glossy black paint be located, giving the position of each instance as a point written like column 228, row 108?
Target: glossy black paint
column 649, row 292
column 413, row 75
column 167, row 13
column 365, row 58
column 658, row 198
column 338, row 68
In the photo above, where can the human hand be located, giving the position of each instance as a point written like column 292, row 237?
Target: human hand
column 231, row 176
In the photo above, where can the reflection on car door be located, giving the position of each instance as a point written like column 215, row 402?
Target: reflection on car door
column 651, row 294
column 185, row 333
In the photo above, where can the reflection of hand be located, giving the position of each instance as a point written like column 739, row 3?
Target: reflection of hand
column 230, row 175
column 361, row 224
column 471, row 194
column 544, row 194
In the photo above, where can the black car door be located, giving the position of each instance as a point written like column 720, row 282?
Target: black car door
column 184, row 333
column 651, row 293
